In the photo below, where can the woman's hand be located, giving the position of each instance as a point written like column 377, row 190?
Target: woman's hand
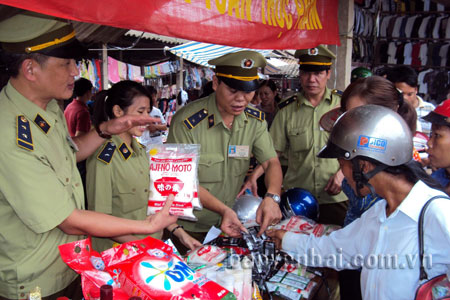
column 162, row 218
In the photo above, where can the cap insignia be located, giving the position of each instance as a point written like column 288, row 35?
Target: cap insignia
column 313, row 51
column 247, row 63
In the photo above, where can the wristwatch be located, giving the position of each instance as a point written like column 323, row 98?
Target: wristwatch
column 275, row 197
column 101, row 133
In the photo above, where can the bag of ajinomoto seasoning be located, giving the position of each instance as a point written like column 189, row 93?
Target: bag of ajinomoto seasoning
column 174, row 170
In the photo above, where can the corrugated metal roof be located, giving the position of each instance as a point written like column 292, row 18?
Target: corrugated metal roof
column 200, row 53
column 279, row 62
column 157, row 37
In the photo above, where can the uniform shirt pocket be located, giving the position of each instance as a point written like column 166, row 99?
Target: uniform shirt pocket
column 239, row 165
column 62, row 171
column 128, row 199
column 210, row 167
column 299, row 139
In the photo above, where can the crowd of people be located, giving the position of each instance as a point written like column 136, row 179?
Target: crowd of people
column 362, row 169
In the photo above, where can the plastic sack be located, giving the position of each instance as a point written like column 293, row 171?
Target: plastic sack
column 174, row 170
column 206, row 255
column 148, row 268
column 80, row 256
column 301, row 224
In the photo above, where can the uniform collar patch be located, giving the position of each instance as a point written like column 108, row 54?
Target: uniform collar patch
column 42, row 123
column 125, row 151
column 211, row 121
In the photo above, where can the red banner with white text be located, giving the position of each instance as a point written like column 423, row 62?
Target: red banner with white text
column 257, row 24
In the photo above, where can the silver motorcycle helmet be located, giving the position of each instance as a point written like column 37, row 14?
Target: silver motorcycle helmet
column 370, row 131
column 246, row 206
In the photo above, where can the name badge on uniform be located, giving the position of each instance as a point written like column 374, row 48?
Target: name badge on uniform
column 238, row 151
column 72, row 144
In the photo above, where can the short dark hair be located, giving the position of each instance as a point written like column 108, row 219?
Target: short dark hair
column 82, row 86
column 13, row 62
column 404, row 74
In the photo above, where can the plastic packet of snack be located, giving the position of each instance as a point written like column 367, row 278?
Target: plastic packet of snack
column 80, row 256
column 174, row 170
column 301, row 224
column 206, row 255
column 149, row 269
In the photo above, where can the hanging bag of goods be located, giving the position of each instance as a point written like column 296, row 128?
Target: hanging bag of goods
column 173, row 170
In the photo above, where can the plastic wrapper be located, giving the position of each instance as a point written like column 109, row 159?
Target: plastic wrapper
column 206, row 255
column 289, row 292
column 174, row 170
column 148, row 268
column 301, row 224
column 441, row 289
column 80, row 256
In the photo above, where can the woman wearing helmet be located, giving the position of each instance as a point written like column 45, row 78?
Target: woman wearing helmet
column 379, row 91
column 373, row 145
column 439, row 143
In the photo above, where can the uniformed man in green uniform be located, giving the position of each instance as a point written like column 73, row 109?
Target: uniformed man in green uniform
column 296, row 132
column 229, row 131
column 297, row 125
column 41, row 194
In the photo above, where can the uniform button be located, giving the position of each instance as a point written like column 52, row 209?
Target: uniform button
column 21, row 287
column 146, row 190
column 22, row 295
column 67, row 179
column 133, row 190
column 67, row 158
column 77, row 184
column 141, row 172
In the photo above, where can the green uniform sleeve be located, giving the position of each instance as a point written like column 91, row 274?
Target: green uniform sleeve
column 40, row 196
column 263, row 146
column 278, row 132
column 99, row 184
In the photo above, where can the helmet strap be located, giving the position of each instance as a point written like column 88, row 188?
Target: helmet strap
column 362, row 179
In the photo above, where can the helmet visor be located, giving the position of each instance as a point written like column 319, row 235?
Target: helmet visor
column 332, row 151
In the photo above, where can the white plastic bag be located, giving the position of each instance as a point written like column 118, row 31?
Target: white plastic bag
column 174, row 170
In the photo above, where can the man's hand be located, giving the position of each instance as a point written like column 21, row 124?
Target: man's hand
column 122, row 124
column 162, row 218
column 268, row 213
column 250, row 184
column 334, row 184
column 277, row 236
column 231, row 224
